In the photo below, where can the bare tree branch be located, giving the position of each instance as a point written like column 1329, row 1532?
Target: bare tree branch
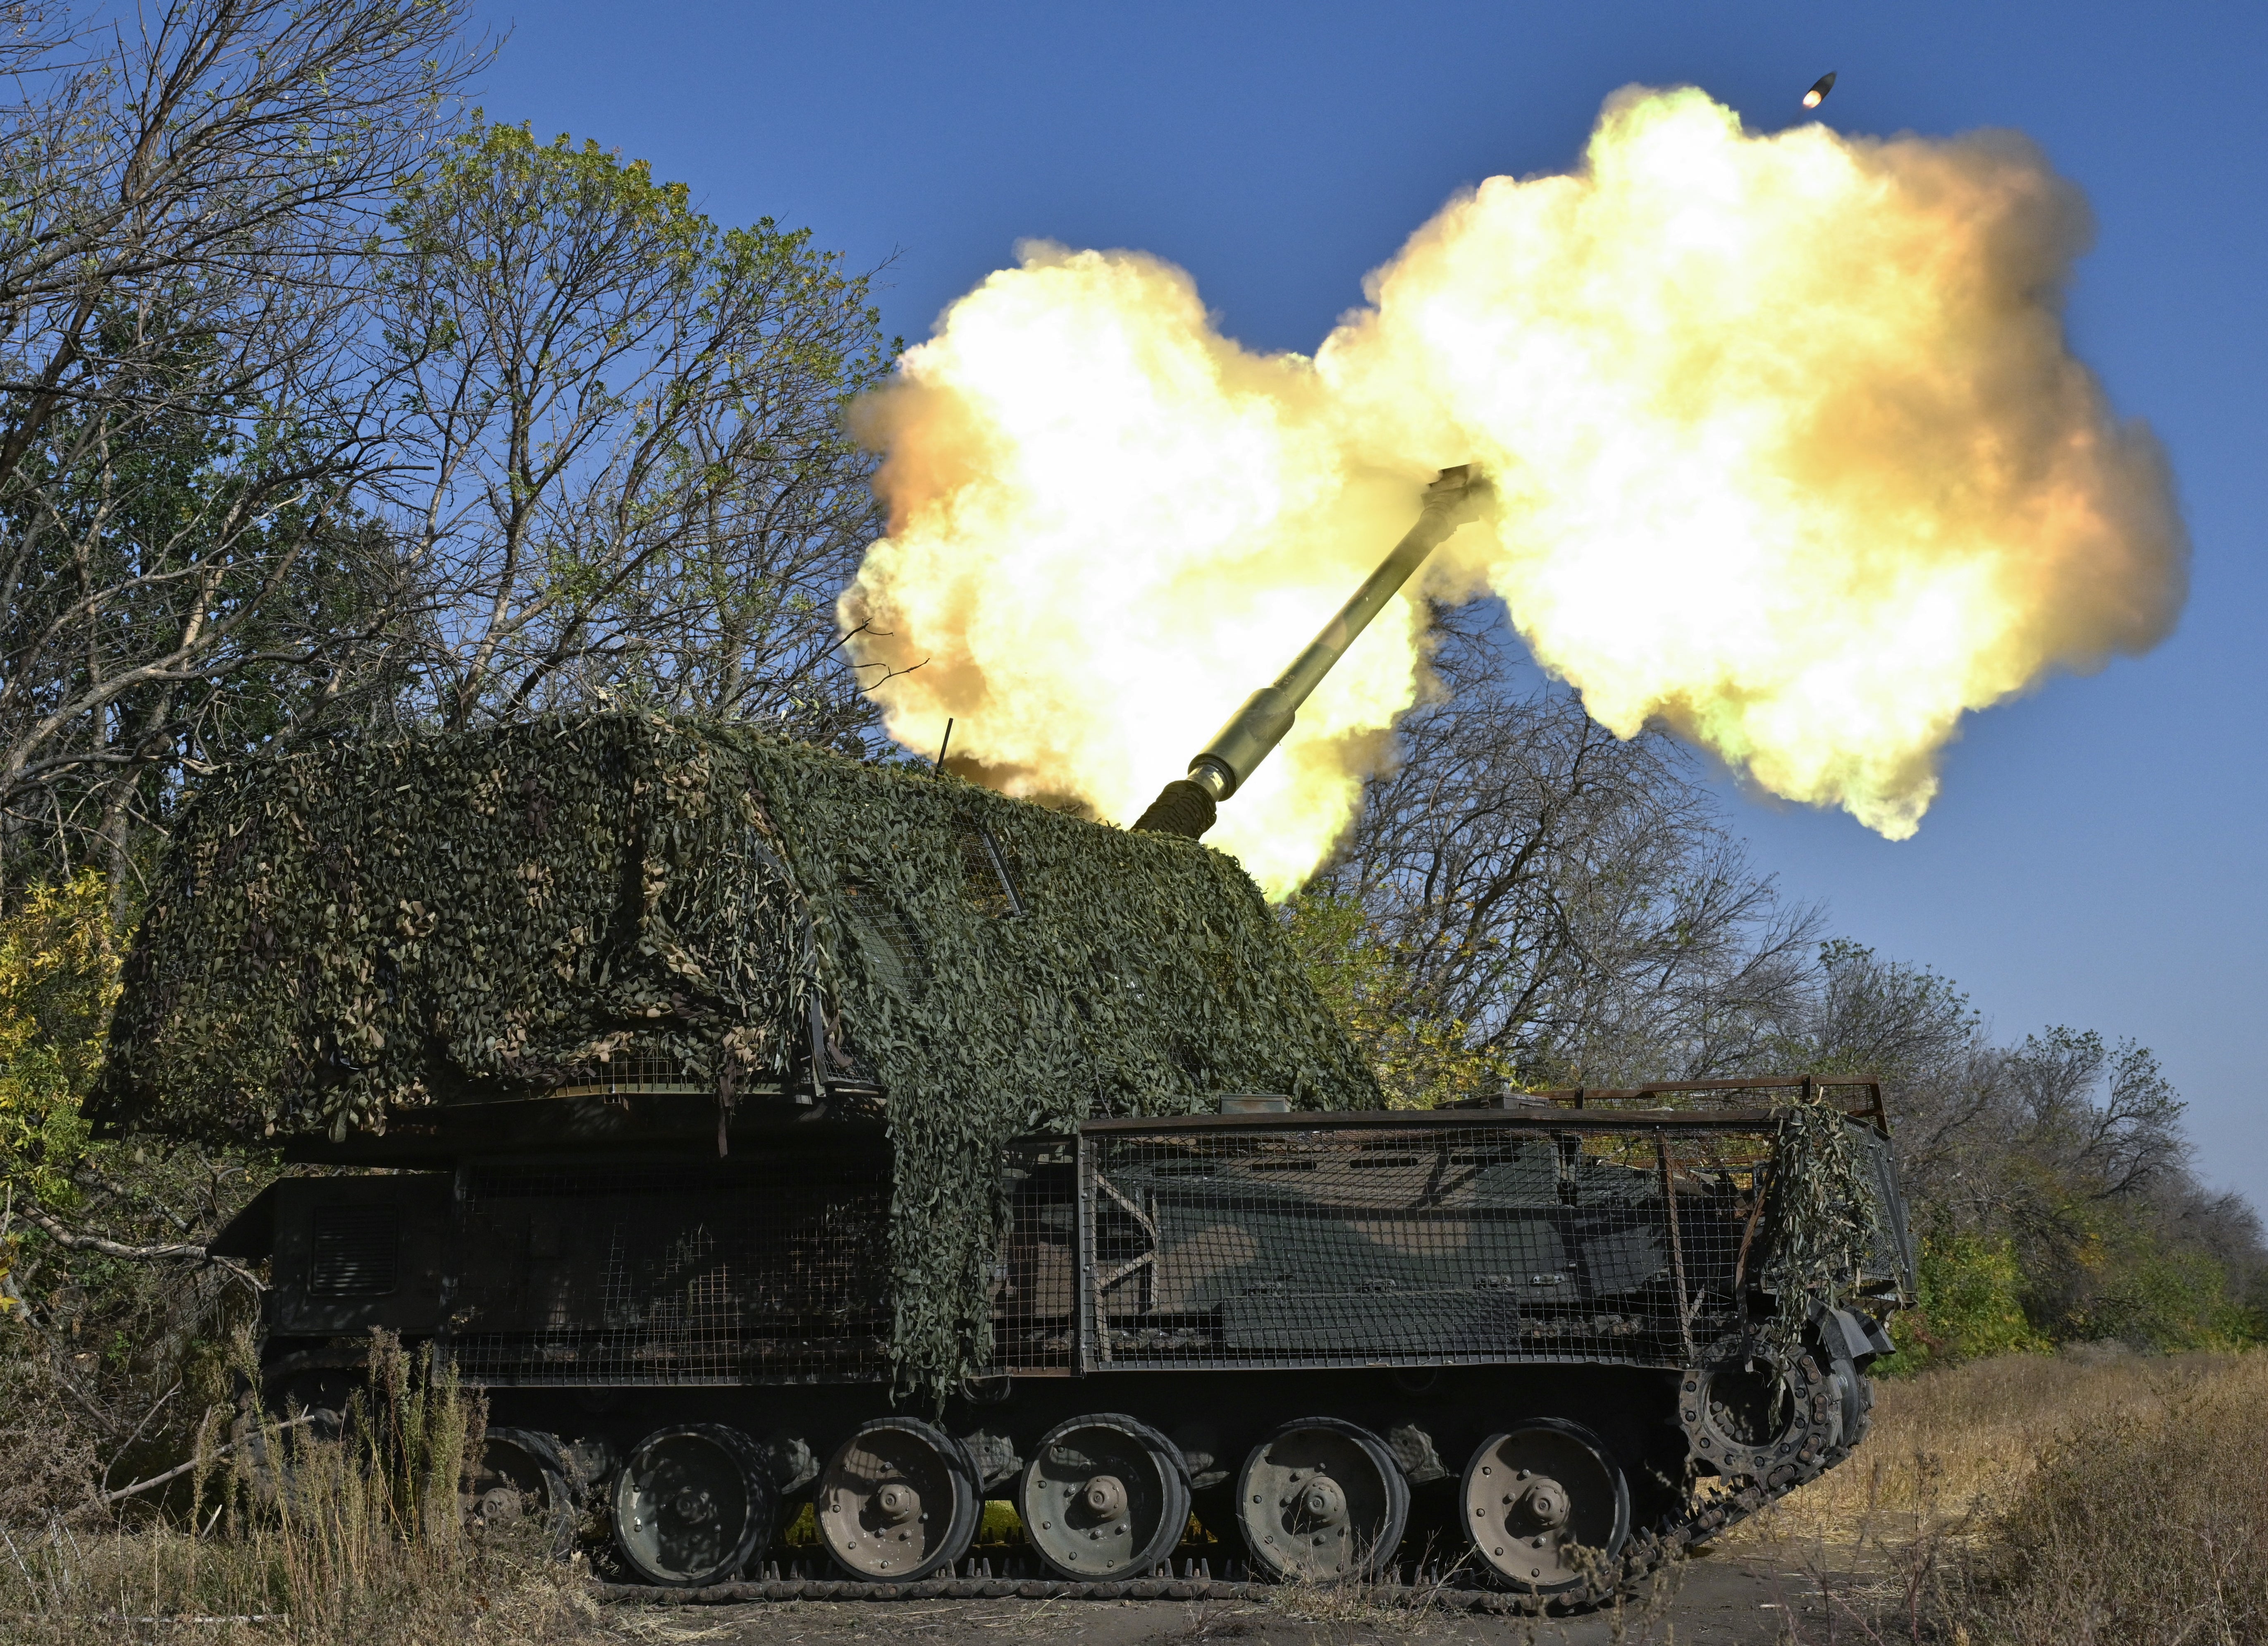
column 182, row 431
column 181, row 1469
column 63, row 1236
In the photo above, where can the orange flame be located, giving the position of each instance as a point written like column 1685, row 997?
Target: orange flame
column 1791, row 453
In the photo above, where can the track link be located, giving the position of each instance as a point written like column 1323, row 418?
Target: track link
column 1417, row 1595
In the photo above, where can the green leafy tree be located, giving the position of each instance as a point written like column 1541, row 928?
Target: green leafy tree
column 107, row 1300
column 1421, row 1060
column 182, row 506
column 1969, row 1304
column 636, row 486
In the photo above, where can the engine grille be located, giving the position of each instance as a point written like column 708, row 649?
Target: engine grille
column 355, row 1252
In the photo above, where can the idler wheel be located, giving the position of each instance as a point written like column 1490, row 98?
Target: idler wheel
column 520, row 1479
column 1321, row 1500
column 1751, row 1412
column 1545, row 1506
column 1857, row 1401
column 897, row 1502
column 692, row 1504
column 1104, row 1498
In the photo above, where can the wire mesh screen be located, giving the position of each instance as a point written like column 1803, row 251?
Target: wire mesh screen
column 574, row 1274
column 630, row 1071
column 1888, row 1260
column 1369, row 1246
column 1036, row 1288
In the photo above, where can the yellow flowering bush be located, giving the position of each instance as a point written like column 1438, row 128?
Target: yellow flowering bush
column 1421, row 1061
column 59, row 963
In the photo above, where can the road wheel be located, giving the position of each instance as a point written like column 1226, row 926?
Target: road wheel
column 691, row 1504
column 897, row 1502
column 1546, row 1508
column 1320, row 1500
column 1103, row 1498
column 520, row 1480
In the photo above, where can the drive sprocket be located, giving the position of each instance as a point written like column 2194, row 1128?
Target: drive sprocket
column 1752, row 1410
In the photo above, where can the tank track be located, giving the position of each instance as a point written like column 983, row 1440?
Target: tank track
column 1644, row 1554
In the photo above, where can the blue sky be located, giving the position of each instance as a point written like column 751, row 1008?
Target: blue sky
column 2096, row 857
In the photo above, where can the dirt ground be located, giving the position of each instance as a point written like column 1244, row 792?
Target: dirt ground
column 1752, row 1600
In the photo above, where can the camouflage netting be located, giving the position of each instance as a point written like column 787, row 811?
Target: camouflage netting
column 355, row 930
column 1831, row 1235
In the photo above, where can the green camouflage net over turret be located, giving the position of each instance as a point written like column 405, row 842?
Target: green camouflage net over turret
column 354, row 930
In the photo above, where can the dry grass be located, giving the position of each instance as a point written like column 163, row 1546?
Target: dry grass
column 1949, row 1447
column 305, row 1584
column 1382, row 1607
column 2050, row 1500
column 358, row 1540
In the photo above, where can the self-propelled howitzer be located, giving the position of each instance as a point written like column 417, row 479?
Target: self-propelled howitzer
column 761, row 1126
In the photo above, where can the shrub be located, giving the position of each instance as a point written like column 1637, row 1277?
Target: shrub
column 59, row 963
column 1969, row 1304
column 2145, row 1527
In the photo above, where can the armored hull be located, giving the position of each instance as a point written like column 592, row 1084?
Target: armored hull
column 1594, row 1288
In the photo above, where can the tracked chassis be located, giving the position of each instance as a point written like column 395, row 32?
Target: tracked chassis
column 1529, row 1345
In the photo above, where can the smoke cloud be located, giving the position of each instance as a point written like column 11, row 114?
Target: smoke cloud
column 1791, row 451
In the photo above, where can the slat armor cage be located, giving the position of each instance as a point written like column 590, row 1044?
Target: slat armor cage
column 1283, row 1240
column 1405, row 1240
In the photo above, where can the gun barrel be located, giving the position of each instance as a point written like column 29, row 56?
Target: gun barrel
column 1187, row 806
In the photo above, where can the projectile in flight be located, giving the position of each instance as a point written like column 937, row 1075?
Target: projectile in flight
column 1819, row 90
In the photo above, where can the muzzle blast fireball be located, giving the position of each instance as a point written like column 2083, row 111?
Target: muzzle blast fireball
column 1790, row 456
